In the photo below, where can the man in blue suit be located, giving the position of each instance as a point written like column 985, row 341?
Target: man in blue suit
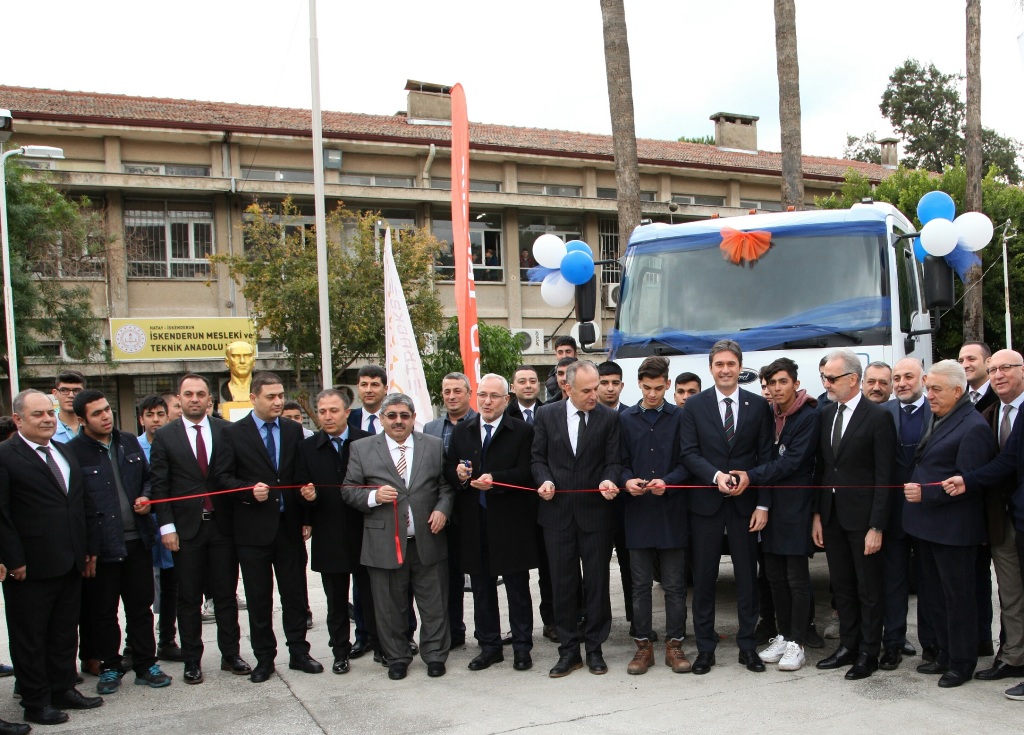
column 950, row 527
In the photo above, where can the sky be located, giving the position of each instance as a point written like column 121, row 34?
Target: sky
column 536, row 63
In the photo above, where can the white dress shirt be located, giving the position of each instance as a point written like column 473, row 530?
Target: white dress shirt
column 204, row 426
column 574, row 422
column 735, row 396
column 851, row 406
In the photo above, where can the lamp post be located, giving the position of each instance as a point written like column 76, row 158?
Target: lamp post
column 29, row 151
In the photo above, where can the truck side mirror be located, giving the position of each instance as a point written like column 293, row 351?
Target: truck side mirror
column 586, row 301
column 938, row 283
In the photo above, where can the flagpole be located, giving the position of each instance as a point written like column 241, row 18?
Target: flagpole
column 327, row 374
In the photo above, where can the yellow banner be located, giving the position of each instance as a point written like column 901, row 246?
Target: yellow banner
column 174, row 338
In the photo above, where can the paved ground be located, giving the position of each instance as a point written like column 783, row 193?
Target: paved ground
column 500, row 700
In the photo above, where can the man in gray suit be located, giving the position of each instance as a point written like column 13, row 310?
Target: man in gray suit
column 407, row 508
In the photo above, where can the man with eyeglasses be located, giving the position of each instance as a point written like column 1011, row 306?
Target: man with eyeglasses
column 855, row 468
column 497, row 526
column 67, row 385
column 397, row 479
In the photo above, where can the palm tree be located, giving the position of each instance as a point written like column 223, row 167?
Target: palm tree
column 789, row 104
column 974, row 324
column 620, row 103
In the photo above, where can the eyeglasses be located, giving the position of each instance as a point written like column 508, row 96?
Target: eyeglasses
column 70, row 391
column 830, row 379
column 1004, row 369
column 391, row 416
column 492, row 396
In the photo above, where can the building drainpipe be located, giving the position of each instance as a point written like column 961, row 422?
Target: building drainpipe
column 426, row 166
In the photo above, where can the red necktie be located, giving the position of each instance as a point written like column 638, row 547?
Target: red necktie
column 204, row 463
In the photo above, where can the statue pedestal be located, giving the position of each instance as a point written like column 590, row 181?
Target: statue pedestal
column 235, row 410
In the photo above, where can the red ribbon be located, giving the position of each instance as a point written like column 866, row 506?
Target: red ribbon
column 694, row 487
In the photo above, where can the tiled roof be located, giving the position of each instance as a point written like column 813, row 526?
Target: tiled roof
column 87, row 107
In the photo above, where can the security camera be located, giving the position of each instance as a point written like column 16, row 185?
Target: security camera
column 673, row 207
column 6, row 125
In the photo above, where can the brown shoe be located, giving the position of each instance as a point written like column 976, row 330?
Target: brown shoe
column 643, row 659
column 675, row 657
column 91, row 666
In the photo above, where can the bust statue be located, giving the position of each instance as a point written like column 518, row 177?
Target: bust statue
column 240, row 359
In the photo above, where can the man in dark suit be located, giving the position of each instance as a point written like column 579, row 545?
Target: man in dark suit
column 48, row 542
column 406, row 502
column 257, row 455
column 498, row 526
column 337, row 527
column 911, row 414
column 198, row 530
column 856, row 466
column 725, row 428
column 576, row 446
column 950, row 526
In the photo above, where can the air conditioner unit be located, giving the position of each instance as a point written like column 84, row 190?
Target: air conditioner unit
column 531, row 341
column 574, row 332
column 611, row 295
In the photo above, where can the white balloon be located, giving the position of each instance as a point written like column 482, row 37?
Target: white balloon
column 974, row 230
column 556, row 291
column 938, row 237
column 548, row 250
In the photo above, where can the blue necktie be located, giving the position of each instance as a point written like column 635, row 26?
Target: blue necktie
column 369, row 424
column 272, row 452
column 483, row 454
column 528, row 416
column 337, row 441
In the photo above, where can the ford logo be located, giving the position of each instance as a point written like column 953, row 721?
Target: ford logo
column 747, row 375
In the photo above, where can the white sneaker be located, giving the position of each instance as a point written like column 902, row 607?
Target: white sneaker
column 774, row 652
column 793, row 659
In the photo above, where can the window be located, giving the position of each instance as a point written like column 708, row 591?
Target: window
column 761, row 205
column 76, row 257
column 608, row 234
column 277, row 174
column 438, row 182
column 702, row 200
column 484, row 241
column 405, row 182
column 532, row 226
column 168, row 239
column 551, row 190
column 606, row 193
column 162, row 169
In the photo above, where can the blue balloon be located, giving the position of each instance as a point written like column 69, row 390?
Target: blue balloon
column 919, row 251
column 936, row 205
column 577, row 267
column 579, row 245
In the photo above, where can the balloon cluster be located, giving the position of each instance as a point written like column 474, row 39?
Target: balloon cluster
column 956, row 240
column 561, row 267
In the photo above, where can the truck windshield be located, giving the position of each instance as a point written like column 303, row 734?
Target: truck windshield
column 807, row 291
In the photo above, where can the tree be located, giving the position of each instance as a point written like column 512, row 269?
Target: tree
column 974, row 325
column 864, row 148
column 499, row 354
column 701, row 139
column 52, row 237
column 277, row 273
column 789, row 103
column 620, row 104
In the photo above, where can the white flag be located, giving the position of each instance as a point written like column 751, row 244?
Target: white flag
column 402, row 356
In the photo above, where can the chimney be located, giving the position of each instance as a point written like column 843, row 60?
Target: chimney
column 738, row 132
column 888, row 145
column 428, row 104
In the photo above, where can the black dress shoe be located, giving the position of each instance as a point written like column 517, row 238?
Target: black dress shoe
column 932, row 667
column 750, row 659
column 48, row 715
column 305, row 663
column 813, row 638
column 397, row 671
column 952, row 679
column 457, row 642
column 169, row 652
column 193, row 673
column 703, row 663
column 999, row 670
column 14, row 728
column 842, row 656
column 522, row 662
column 549, row 633
column 436, row 669
column 379, row 657
column 891, row 659
column 930, row 653
column 235, row 664
column 864, row 667
column 566, row 665
column 415, row 649
column 596, row 664
column 309, row 621
column 485, row 659
column 340, row 665
column 262, row 672
column 507, row 640
column 74, row 699
column 358, row 649
column 984, row 649
column 908, row 649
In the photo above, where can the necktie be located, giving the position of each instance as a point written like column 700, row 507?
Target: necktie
column 837, row 429
column 54, row 468
column 369, row 424
column 203, row 461
column 401, row 466
column 730, row 422
column 336, row 441
column 1004, row 426
column 528, row 416
column 975, row 395
column 581, row 431
column 271, row 444
column 483, row 454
